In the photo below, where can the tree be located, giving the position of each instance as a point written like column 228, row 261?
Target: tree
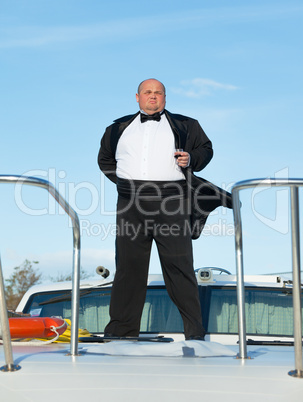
column 20, row 281
column 68, row 277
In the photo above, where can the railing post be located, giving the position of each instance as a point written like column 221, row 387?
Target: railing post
column 75, row 299
column 240, row 276
column 296, row 292
column 6, row 336
column 76, row 267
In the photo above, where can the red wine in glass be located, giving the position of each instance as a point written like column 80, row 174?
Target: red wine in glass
column 178, row 150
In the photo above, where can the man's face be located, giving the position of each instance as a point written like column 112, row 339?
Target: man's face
column 151, row 98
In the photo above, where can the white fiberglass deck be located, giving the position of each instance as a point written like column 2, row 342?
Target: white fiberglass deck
column 48, row 374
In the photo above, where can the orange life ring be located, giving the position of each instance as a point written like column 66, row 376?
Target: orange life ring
column 36, row 327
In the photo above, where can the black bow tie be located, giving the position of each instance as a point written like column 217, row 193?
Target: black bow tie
column 146, row 117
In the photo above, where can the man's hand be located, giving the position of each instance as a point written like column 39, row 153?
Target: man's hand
column 183, row 159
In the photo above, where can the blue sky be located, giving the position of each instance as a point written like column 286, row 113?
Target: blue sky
column 69, row 68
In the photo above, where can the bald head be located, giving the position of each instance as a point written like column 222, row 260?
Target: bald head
column 151, row 79
column 151, row 96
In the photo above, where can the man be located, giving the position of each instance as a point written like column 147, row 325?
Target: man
column 138, row 153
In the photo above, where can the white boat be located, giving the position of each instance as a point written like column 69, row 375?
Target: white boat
column 255, row 354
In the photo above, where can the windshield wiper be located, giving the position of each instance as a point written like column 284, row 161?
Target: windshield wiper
column 68, row 296
column 269, row 343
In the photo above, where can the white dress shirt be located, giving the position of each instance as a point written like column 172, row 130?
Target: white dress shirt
column 145, row 151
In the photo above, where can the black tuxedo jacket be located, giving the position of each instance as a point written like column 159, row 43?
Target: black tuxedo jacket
column 189, row 135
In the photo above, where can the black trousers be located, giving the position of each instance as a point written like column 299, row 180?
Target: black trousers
column 139, row 223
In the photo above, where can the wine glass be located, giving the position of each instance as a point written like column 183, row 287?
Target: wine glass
column 178, row 150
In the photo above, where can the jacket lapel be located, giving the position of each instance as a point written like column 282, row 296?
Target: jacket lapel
column 179, row 128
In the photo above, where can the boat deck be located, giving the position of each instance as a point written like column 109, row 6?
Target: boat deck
column 129, row 371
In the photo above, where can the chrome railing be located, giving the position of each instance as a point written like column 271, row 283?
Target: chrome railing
column 6, row 336
column 34, row 181
column 294, row 185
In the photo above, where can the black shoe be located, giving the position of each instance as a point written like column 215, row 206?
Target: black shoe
column 108, row 335
column 195, row 338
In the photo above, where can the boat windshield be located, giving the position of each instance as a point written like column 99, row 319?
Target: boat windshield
column 268, row 311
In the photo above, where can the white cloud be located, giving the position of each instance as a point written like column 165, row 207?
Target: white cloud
column 199, row 87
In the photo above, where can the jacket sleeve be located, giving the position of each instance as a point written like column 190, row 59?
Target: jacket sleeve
column 106, row 159
column 199, row 146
